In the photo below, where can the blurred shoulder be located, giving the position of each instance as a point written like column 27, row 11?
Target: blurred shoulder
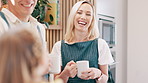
column 58, row 43
column 101, row 41
column 34, row 20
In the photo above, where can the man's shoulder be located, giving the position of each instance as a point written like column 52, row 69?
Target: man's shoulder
column 34, row 20
column 9, row 15
column 3, row 24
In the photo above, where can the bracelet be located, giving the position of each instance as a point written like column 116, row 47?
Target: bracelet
column 99, row 78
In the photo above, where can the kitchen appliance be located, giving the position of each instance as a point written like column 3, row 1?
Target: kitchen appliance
column 107, row 29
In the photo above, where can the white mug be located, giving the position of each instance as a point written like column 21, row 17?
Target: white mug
column 82, row 66
column 55, row 61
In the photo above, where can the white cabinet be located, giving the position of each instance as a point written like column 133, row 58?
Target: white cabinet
column 106, row 7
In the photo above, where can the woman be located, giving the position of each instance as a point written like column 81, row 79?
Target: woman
column 82, row 43
column 22, row 57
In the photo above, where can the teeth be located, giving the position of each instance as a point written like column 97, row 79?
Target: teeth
column 27, row 5
column 82, row 23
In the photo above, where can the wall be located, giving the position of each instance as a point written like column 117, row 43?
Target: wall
column 137, row 41
column 132, row 41
column 117, row 8
column 121, row 50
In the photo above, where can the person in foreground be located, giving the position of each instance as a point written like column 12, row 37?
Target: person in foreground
column 22, row 57
column 82, row 42
column 19, row 12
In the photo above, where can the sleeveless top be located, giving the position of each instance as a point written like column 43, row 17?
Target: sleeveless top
column 87, row 50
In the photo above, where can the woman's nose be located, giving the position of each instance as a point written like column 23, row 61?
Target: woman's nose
column 83, row 16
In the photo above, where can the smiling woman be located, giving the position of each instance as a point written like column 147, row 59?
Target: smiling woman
column 83, row 18
column 82, row 43
column 84, row 22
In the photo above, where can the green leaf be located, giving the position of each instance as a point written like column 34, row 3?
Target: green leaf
column 49, row 6
column 49, row 23
column 39, row 11
column 51, row 17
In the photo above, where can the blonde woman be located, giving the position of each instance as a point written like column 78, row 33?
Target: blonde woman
column 22, row 57
column 82, row 43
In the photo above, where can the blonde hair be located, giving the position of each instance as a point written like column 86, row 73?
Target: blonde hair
column 20, row 53
column 93, row 29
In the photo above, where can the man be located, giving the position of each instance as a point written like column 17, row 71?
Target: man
column 19, row 13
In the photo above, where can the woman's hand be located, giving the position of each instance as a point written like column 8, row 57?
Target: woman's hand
column 91, row 73
column 70, row 69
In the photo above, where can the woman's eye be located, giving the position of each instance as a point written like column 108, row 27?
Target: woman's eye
column 79, row 12
column 88, row 14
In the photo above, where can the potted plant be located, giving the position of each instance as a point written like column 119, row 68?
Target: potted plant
column 4, row 2
column 40, row 11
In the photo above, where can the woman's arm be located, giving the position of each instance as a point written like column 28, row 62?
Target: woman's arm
column 105, row 58
column 103, row 78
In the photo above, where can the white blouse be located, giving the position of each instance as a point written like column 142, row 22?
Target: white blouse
column 105, row 56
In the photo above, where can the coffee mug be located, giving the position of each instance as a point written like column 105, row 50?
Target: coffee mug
column 82, row 66
column 55, row 61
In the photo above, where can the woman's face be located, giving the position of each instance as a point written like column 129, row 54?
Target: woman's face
column 83, row 18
